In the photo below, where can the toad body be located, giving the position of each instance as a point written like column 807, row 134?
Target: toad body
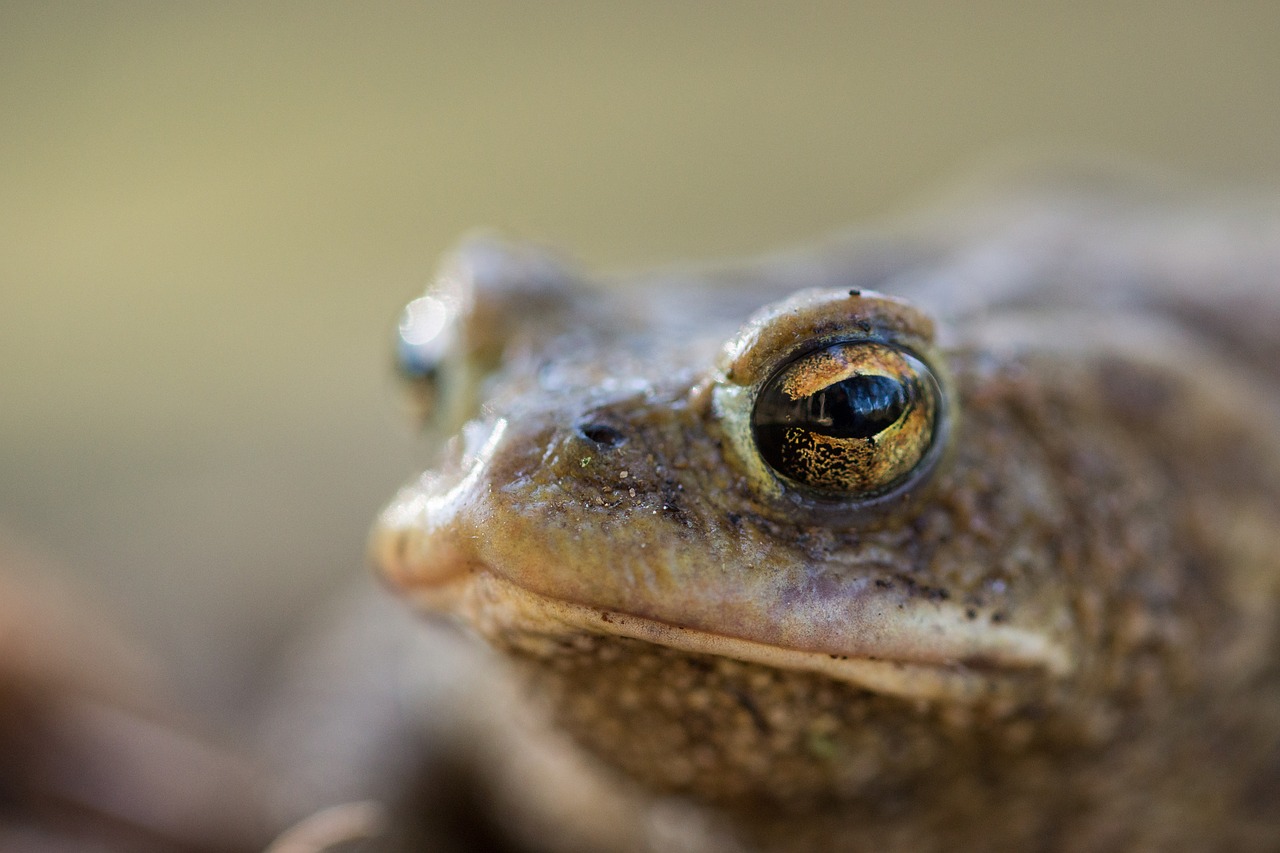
column 962, row 541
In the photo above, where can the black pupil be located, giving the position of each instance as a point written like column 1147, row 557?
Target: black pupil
column 857, row 407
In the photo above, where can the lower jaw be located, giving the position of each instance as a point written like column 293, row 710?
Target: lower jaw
column 744, row 735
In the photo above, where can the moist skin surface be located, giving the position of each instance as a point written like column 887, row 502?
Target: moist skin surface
column 1057, row 631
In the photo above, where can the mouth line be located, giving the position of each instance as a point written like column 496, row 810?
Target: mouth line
column 495, row 604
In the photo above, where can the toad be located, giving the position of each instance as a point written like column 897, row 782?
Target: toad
column 962, row 540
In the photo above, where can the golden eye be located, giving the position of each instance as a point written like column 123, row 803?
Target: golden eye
column 853, row 419
column 834, row 404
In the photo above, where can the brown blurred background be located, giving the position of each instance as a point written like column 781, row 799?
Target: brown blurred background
column 210, row 215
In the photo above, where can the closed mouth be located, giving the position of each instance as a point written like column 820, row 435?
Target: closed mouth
column 495, row 604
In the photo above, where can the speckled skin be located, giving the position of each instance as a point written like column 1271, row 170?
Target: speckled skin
column 1065, row 639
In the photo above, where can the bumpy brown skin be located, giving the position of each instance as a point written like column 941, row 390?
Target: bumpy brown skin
column 1079, row 607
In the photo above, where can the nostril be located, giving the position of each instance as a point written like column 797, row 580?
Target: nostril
column 601, row 434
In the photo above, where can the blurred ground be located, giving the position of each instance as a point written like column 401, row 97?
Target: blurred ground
column 211, row 213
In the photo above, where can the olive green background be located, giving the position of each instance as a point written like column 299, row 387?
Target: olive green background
column 211, row 214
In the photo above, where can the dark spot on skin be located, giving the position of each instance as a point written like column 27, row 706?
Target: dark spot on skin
column 884, row 584
column 998, row 617
column 748, row 705
column 855, row 292
column 931, row 593
column 735, row 519
column 671, row 504
column 971, row 614
column 604, row 616
column 601, row 435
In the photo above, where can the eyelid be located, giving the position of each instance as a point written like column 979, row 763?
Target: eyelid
column 811, row 318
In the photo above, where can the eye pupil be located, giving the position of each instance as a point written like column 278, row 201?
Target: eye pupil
column 857, row 407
